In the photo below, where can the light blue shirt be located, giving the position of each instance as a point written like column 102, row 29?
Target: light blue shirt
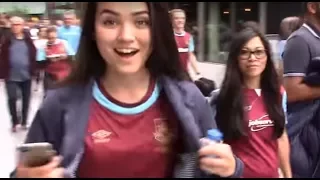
column 284, row 105
column 71, row 35
column 191, row 44
column 281, row 46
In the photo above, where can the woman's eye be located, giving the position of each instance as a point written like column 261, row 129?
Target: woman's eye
column 142, row 23
column 109, row 22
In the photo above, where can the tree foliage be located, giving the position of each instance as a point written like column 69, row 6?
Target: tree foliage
column 18, row 11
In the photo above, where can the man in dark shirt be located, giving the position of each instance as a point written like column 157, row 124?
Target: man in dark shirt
column 297, row 58
column 301, row 51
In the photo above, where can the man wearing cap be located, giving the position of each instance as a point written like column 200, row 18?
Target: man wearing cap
column 17, row 66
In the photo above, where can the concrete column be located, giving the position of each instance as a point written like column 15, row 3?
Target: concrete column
column 263, row 16
column 201, row 30
column 233, row 15
column 213, row 32
column 46, row 13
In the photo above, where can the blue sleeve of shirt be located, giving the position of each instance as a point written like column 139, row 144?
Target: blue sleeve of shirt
column 191, row 44
column 59, row 33
column 78, row 39
column 281, row 47
column 41, row 54
column 69, row 49
column 284, row 105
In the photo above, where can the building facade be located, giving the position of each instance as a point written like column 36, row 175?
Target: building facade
column 55, row 10
column 23, row 8
column 212, row 23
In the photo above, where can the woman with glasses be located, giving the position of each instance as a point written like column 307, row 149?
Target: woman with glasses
column 249, row 108
column 128, row 109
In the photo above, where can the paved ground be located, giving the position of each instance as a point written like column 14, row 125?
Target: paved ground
column 9, row 141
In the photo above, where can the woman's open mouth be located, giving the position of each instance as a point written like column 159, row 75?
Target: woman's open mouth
column 126, row 52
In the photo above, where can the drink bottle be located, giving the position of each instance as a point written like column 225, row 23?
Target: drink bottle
column 213, row 136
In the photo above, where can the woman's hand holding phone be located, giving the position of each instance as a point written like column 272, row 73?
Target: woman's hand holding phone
column 50, row 170
column 39, row 160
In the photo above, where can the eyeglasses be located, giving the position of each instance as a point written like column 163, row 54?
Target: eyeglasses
column 259, row 54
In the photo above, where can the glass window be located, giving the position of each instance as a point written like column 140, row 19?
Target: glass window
column 217, row 31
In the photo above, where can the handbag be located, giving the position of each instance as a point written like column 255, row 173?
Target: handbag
column 206, row 86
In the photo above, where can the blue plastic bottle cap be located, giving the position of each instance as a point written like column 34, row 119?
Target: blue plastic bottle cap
column 215, row 135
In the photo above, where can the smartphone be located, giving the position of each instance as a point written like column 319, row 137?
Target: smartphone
column 36, row 154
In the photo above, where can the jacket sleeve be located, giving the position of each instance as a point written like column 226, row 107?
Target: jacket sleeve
column 46, row 126
column 4, row 61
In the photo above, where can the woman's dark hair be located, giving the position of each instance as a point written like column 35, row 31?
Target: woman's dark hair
column 230, row 101
column 164, row 59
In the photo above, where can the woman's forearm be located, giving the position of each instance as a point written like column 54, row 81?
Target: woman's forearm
column 284, row 155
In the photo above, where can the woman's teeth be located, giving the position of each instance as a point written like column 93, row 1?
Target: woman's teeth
column 126, row 51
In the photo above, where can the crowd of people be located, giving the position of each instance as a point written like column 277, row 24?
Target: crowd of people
column 34, row 49
column 128, row 107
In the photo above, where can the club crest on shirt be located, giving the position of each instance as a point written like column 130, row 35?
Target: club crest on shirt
column 260, row 123
column 101, row 136
column 162, row 133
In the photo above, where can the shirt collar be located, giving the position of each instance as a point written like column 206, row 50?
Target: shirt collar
column 314, row 31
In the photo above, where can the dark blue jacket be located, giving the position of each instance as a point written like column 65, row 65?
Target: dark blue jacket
column 304, row 133
column 63, row 117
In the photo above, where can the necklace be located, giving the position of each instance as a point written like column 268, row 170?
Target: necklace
column 248, row 108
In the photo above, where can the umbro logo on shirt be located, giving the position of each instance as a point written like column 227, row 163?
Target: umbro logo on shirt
column 101, row 136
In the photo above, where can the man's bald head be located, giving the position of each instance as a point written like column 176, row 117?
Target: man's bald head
column 288, row 25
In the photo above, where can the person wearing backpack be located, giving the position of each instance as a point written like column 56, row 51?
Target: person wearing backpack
column 301, row 80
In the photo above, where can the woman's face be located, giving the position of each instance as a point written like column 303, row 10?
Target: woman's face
column 252, row 58
column 123, row 35
column 43, row 32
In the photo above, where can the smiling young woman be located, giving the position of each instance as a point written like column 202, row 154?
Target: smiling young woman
column 250, row 107
column 128, row 108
